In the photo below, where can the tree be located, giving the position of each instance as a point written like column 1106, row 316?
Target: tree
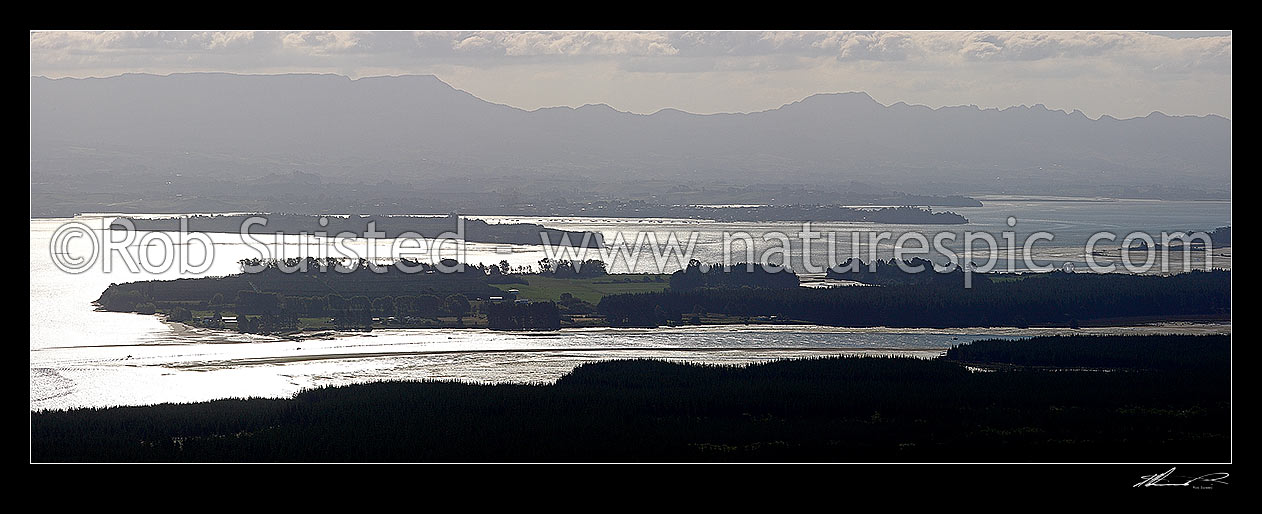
column 523, row 316
column 179, row 314
column 383, row 306
column 337, row 304
column 594, row 267
column 459, row 305
column 407, row 305
column 564, row 268
column 122, row 302
column 427, row 305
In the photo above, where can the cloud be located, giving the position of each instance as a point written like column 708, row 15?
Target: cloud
column 327, row 42
column 995, row 67
column 226, row 41
column 1152, row 51
column 880, row 46
column 120, row 42
column 568, row 44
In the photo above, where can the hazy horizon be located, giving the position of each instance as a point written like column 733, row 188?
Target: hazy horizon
column 1115, row 73
column 668, row 108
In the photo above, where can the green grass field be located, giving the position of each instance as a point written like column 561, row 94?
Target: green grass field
column 587, row 289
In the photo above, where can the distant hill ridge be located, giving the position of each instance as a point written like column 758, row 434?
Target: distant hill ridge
column 416, row 126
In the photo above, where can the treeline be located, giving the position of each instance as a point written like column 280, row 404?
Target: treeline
column 340, row 265
column 565, row 268
column 914, row 271
column 1221, row 236
column 1048, row 298
column 523, row 316
column 697, row 275
column 1202, row 353
column 827, row 409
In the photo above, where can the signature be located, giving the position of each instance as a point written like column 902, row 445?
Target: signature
column 1207, row 480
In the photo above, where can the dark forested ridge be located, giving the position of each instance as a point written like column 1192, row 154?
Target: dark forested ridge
column 1204, row 354
column 1048, row 298
column 827, row 409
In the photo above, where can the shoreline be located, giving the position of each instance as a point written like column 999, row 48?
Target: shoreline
column 1137, row 322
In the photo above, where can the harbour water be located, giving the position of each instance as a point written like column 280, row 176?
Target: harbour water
column 84, row 357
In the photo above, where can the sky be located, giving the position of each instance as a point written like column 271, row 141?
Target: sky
column 1119, row 73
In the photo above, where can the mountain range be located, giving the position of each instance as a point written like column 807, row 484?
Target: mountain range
column 417, row 128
